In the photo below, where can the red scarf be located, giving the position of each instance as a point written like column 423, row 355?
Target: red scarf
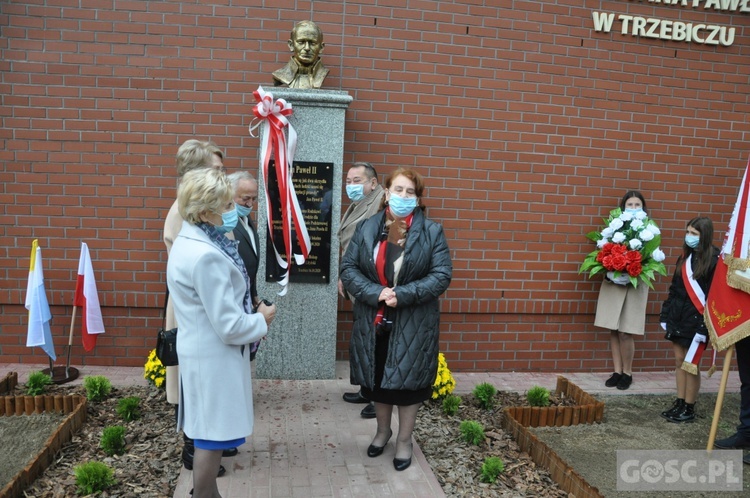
column 391, row 246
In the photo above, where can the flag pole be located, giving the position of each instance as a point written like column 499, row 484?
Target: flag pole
column 70, row 341
column 720, row 398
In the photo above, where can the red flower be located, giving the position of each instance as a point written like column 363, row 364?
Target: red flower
column 618, row 249
column 633, row 257
column 635, row 269
column 619, row 262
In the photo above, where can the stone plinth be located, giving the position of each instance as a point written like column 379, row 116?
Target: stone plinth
column 302, row 341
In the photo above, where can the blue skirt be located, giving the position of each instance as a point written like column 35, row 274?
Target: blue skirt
column 205, row 444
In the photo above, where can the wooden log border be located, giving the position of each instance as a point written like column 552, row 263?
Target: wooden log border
column 74, row 409
column 588, row 410
column 9, row 382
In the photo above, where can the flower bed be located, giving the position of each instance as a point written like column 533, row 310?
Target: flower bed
column 587, row 410
column 74, row 407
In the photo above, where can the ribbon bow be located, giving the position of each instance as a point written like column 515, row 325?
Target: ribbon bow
column 272, row 115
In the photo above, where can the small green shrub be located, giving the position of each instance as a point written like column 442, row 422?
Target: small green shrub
column 93, row 477
column 491, row 468
column 37, row 383
column 472, row 431
column 485, row 393
column 538, row 396
column 450, row 404
column 97, row 387
column 113, row 440
column 129, row 408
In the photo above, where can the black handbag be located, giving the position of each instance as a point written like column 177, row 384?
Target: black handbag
column 166, row 341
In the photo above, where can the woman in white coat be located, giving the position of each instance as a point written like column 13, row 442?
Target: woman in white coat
column 210, row 291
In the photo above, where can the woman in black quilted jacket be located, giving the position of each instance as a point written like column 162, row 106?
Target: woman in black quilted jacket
column 396, row 266
column 682, row 313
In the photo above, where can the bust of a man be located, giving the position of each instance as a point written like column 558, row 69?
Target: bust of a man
column 305, row 69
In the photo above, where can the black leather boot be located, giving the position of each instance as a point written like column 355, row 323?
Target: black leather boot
column 677, row 406
column 686, row 414
column 188, row 450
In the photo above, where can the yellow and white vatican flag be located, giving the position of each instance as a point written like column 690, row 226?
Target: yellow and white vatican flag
column 39, row 333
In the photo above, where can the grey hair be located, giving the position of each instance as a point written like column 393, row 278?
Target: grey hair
column 236, row 177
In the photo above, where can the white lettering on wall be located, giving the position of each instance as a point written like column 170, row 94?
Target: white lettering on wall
column 664, row 29
column 719, row 5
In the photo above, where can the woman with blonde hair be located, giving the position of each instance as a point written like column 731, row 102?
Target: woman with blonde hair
column 210, row 289
column 193, row 154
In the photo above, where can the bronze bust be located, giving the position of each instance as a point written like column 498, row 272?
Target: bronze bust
column 305, row 69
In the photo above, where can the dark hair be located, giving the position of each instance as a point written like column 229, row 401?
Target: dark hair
column 629, row 195
column 369, row 169
column 412, row 175
column 703, row 253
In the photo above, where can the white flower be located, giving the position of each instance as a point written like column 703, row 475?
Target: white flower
column 618, row 237
column 653, row 229
column 626, row 216
column 658, row 255
column 640, row 215
column 607, row 233
column 616, row 224
column 636, row 224
column 646, row 235
column 601, row 243
column 635, row 244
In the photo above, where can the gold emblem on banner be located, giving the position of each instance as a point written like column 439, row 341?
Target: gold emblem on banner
column 723, row 317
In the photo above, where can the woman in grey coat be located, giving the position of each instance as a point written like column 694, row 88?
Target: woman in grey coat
column 396, row 266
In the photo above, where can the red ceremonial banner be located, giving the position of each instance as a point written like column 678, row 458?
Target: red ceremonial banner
column 727, row 313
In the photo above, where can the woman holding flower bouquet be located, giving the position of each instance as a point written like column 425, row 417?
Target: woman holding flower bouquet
column 682, row 313
column 628, row 253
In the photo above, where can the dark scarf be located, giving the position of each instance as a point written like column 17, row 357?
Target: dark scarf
column 391, row 240
column 229, row 247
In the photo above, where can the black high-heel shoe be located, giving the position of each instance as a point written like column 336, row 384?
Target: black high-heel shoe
column 402, row 463
column 374, row 451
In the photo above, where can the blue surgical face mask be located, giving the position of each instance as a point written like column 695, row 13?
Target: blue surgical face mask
column 228, row 221
column 401, row 206
column 242, row 211
column 692, row 240
column 633, row 210
column 355, row 192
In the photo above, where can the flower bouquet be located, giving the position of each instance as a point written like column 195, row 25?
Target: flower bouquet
column 627, row 248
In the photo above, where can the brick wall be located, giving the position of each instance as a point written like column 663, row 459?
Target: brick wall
column 527, row 123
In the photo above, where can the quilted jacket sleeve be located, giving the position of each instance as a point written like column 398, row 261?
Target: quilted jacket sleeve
column 436, row 278
column 358, row 268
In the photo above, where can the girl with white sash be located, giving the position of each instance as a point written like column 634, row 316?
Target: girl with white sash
column 682, row 314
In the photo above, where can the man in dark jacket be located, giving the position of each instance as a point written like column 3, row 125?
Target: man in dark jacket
column 366, row 196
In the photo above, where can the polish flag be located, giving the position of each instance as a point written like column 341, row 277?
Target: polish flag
column 87, row 298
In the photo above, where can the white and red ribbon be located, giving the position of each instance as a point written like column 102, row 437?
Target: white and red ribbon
column 694, row 354
column 272, row 115
column 698, row 298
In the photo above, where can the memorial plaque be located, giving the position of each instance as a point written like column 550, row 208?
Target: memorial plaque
column 313, row 184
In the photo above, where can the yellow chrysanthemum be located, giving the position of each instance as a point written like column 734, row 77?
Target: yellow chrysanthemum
column 444, row 381
column 154, row 371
